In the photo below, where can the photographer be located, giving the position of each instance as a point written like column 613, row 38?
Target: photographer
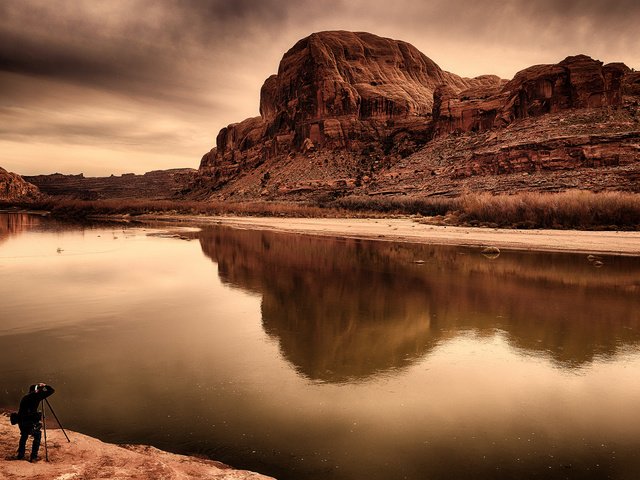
column 29, row 418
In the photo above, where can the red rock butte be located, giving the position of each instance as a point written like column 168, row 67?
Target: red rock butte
column 337, row 90
column 354, row 113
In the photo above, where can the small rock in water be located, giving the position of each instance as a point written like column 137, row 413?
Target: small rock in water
column 491, row 252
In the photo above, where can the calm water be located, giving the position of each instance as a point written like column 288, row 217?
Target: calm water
column 311, row 358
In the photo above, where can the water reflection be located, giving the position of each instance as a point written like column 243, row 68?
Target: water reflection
column 309, row 358
column 345, row 309
column 15, row 223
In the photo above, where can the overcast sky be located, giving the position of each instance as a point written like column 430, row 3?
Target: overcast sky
column 114, row 86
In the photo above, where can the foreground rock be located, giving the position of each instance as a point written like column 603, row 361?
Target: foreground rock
column 88, row 458
column 13, row 188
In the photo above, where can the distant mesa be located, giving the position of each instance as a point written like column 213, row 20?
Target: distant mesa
column 154, row 185
column 356, row 113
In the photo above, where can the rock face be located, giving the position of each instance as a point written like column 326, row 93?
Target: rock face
column 339, row 90
column 353, row 113
column 576, row 82
column 13, row 188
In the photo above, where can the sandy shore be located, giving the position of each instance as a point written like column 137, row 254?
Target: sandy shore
column 87, row 458
column 409, row 230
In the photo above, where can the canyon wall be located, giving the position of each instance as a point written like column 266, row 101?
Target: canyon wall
column 576, row 82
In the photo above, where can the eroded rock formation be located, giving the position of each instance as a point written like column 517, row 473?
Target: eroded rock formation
column 13, row 188
column 353, row 113
column 338, row 90
column 576, row 82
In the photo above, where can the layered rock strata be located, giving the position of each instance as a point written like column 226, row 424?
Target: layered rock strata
column 336, row 90
column 353, row 113
column 154, row 185
column 576, row 82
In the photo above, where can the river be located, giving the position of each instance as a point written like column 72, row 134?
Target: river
column 304, row 357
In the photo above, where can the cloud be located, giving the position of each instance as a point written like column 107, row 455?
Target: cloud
column 197, row 65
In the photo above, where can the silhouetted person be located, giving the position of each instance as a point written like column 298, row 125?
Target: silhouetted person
column 29, row 418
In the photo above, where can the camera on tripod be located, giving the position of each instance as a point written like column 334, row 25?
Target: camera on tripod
column 31, row 420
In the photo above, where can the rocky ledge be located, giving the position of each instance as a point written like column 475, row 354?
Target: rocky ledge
column 88, row 458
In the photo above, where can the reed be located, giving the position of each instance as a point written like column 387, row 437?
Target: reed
column 570, row 209
column 134, row 207
column 426, row 206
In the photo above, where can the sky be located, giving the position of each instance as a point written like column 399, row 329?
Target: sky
column 106, row 87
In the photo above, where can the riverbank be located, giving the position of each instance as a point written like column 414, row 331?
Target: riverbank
column 88, row 458
column 571, row 209
column 413, row 231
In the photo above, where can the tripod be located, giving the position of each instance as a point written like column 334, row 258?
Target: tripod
column 44, row 424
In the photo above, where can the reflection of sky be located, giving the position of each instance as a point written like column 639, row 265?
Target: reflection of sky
column 145, row 344
column 97, row 274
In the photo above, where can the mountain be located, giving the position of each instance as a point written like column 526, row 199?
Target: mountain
column 354, row 113
column 13, row 188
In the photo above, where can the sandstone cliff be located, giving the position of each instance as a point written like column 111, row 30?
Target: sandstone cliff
column 353, row 113
column 576, row 82
column 13, row 188
column 336, row 90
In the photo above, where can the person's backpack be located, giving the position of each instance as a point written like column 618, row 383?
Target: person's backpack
column 14, row 417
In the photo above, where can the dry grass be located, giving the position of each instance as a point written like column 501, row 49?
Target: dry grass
column 571, row 209
column 87, row 208
column 426, row 206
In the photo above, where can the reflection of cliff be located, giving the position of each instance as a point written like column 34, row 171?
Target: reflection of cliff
column 14, row 223
column 345, row 309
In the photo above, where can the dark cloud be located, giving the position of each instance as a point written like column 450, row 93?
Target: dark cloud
column 133, row 43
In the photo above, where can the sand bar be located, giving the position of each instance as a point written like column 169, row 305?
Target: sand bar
column 410, row 230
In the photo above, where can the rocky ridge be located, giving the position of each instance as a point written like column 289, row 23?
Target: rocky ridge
column 154, row 185
column 353, row 113
column 14, row 188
